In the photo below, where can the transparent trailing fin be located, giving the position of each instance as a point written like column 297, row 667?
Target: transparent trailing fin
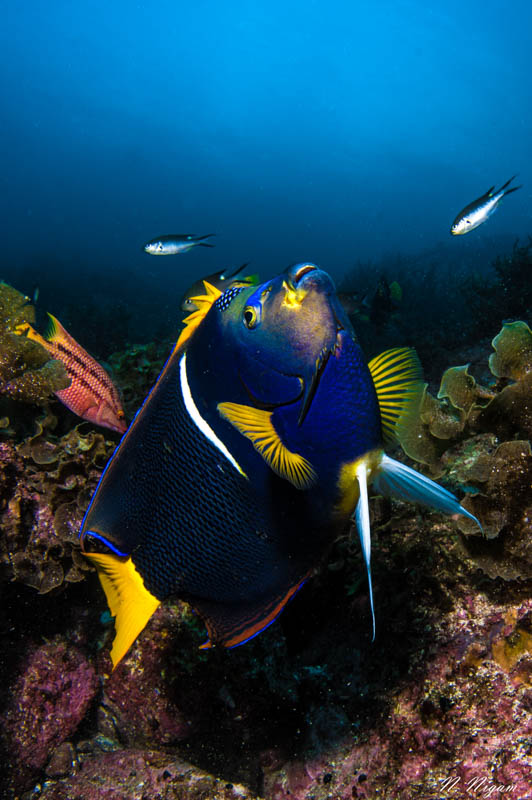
column 395, row 478
column 363, row 527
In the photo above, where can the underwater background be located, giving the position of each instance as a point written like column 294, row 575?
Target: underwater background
column 349, row 135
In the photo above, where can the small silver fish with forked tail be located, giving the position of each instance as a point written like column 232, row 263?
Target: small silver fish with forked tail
column 480, row 209
column 171, row 244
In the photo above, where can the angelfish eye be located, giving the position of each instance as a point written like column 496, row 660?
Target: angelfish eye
column 250, row 317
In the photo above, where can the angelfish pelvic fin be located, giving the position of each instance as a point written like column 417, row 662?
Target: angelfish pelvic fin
column 395, row 478
column 130, row 603
column 363, row 527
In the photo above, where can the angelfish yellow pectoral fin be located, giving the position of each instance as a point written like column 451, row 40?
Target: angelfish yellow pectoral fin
column 397, row 377
column 129, row 601
column 257, row 426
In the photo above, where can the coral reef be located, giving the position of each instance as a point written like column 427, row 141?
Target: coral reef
column 439, row 706
column 478, row 439
column 26, row 371
column 45, row 486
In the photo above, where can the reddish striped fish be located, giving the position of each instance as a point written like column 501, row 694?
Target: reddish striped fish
column 92, row 394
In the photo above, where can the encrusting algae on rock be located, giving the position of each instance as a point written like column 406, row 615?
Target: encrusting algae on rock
column 27, row 372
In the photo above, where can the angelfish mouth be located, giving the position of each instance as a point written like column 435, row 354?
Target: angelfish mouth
column 299, row 271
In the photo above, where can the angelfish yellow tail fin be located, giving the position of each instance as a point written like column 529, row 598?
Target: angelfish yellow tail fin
column 129, row 601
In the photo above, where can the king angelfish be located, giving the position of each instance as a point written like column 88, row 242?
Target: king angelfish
column 250, row 456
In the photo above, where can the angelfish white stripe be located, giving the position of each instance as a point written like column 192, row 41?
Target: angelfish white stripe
column 198, row 420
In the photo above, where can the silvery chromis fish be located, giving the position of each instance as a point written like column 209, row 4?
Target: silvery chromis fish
column 249, row 457
column 171, row 244
column 480, row 209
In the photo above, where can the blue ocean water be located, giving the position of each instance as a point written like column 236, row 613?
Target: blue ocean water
column 344, row 133
column 335, row 132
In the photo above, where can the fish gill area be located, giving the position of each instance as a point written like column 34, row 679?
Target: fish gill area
column 439, row 705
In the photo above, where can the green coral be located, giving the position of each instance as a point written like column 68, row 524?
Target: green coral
column 27, row 372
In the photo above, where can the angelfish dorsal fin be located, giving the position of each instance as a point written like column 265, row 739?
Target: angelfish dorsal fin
column 397, row 377
column 257, row 426
column 203, row 303
column 130, row 603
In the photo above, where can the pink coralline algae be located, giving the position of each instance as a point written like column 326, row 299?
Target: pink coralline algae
column 47, row 703
column 141, row 699
column 460, row 727
column 143, row 775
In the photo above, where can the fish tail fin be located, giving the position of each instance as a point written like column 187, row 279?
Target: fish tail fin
column 397, row 377
column 503, row 187
column 130, row 603
column 25, row 329
column 395, row 478
column 513, row 189
column 363, row 527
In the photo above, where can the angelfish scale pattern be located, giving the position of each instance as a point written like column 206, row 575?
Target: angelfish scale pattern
column 187, row 538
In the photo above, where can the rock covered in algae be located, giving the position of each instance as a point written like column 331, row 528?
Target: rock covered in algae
column 144, row 701
column 314, row 711
column 136, row 370
column 143, row 775
column 45, row 485
column 46, row 705
column 438, row 706
column 26, row 371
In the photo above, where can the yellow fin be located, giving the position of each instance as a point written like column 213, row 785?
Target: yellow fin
column 397, row 377
column 26, row 329
column 256, row 424
column 203, row 303
column 129, row 601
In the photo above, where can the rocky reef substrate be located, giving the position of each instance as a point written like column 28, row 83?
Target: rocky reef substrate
column 439, row 706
